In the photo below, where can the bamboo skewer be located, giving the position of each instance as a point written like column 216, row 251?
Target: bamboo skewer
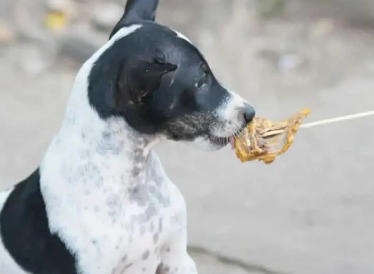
column 322, row 122
column 338, row 119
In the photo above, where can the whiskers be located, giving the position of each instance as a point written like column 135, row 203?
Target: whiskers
column 235, row 134
column 234, row 131
column 225, row 140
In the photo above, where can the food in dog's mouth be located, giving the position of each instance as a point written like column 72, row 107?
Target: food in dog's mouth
column 264, row 140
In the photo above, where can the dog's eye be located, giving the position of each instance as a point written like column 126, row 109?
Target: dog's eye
column 159, row 60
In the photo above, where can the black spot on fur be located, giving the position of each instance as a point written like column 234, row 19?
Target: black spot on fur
column 158, row 82
column 155, row 237
column 26, row 235
column 146, row 255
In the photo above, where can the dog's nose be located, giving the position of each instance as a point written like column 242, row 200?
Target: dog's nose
column 249, row 113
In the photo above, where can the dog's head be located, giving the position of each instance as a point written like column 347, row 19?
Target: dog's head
column 159, row 82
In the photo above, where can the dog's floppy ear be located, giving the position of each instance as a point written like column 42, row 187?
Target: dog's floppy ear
column 138, row 78
column 137, row 11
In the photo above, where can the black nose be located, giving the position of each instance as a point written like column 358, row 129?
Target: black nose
column 249, row 113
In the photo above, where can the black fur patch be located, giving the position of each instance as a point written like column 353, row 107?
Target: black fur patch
column 125, row 82
column 26, row 235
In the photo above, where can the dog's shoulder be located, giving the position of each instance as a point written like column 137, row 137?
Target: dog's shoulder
column 25, row 231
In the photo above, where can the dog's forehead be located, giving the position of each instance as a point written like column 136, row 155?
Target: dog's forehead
column 152, row 35
column 151, row 31
column 160, row 31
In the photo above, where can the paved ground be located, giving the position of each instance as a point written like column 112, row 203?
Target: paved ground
column 308, row 213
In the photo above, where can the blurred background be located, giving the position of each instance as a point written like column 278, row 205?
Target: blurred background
column 311, row 211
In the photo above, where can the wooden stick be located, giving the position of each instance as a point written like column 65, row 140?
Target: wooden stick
column 324, row 122
column 338, row 119
column 273, row 132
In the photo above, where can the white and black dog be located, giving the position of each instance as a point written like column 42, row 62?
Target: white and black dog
column 100, row 201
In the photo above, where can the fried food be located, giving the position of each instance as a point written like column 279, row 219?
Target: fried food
column 264, row 140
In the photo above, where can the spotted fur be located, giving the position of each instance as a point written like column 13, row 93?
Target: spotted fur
column 100, row 201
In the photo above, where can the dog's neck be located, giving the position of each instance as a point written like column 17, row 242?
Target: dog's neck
column 112, row 138
column 110, row 142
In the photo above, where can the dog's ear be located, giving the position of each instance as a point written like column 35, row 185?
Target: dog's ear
column 137, row 79
column 137, row 11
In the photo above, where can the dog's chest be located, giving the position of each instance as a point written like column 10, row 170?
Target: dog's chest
column 120, row 225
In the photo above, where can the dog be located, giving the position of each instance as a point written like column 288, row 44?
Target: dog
column 100, row 201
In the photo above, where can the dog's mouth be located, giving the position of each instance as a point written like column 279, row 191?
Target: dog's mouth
column 223, row 141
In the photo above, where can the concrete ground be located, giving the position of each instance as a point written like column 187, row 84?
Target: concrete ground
column 310, row 212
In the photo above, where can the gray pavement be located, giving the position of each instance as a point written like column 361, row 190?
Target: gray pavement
column 310, row 212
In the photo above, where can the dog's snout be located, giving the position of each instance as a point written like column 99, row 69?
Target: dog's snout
column 249, row 113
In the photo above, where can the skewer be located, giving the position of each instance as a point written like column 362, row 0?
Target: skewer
column 338, row 119
column 324, row 122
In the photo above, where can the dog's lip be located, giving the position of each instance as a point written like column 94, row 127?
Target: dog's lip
column 219, row 140
column 225, row 140
column 222, row 140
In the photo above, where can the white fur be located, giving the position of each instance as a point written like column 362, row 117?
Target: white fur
column 230, row 113
column 86, row 183
column 230, row 109
column 182, row 36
